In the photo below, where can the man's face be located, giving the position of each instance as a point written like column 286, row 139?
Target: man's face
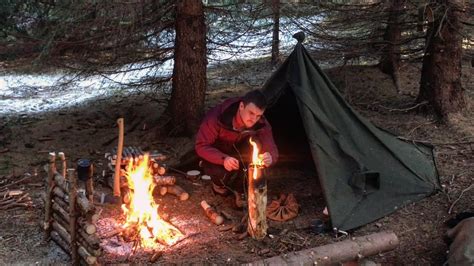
column 250, row 114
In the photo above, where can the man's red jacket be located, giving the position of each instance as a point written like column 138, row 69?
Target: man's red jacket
column 216, row 136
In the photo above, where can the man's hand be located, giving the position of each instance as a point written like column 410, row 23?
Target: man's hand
column 230, row 163
column 266, row 159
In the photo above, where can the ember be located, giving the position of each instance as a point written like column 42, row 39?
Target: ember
column 142, row 218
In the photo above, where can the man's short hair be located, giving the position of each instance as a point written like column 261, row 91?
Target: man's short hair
column 256, row 97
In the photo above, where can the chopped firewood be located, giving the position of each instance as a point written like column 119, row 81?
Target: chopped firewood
column 164, row 180
column 211, row 213
column 178, row 192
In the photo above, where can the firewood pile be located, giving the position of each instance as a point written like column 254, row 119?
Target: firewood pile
column 166, row 183
column 70, row 216
column 14, row 198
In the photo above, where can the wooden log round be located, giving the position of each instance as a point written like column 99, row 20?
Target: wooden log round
column 178, row 192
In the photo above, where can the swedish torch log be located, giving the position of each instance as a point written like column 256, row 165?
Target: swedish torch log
column 257, row 197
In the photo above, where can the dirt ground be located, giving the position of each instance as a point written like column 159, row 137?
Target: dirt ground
column 87, row 131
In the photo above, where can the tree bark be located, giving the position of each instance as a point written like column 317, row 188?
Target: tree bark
column 440, row 82
column 189, row 72
column 390, row 60
column 276, row 32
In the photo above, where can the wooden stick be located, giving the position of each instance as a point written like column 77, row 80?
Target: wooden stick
column 178, row 192
column 120, row 123
column 49, row 195
column 72, row 215
column 90, row 185
column 257, row 204
column 333, row 254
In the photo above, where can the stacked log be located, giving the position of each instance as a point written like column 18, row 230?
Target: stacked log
column 70, row 216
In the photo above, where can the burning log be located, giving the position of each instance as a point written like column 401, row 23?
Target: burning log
column 156, row 255
column 257, row 205
column 164, row 180
column 163, row 190
column 257, row 197
column 211, row 213
column 178, row 192
column 49, row 195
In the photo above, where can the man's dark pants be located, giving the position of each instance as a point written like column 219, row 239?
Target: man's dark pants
column 231, row 180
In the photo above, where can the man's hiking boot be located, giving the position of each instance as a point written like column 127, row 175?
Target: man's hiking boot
column 220, row 190
column 240, row 201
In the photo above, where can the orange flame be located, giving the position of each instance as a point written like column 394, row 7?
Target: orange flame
column 256, row 160
column 142, row 212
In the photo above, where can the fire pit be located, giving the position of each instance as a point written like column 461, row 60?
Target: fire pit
column 72, row 220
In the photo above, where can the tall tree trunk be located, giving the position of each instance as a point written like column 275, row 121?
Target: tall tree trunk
column 390, row 60
column 189, row 72
column 440, row 82
column 276, row 32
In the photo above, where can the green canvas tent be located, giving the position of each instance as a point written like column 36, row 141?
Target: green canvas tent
column 365, row 172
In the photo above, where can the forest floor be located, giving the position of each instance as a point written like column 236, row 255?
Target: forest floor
column 87, row 131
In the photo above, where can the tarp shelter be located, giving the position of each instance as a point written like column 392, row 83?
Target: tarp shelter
column 365, row 172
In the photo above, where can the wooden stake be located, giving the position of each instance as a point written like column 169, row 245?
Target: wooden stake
column 257, row 204
column 90, row 189
column 72, row 215
column 63, row 163
column 49, row 195
column 120, row 123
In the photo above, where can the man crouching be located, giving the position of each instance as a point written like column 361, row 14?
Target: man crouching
column 223, row 141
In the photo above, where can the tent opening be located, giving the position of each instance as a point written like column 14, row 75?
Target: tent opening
column 289, row 133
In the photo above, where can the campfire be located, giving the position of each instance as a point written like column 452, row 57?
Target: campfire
column 143, row 223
